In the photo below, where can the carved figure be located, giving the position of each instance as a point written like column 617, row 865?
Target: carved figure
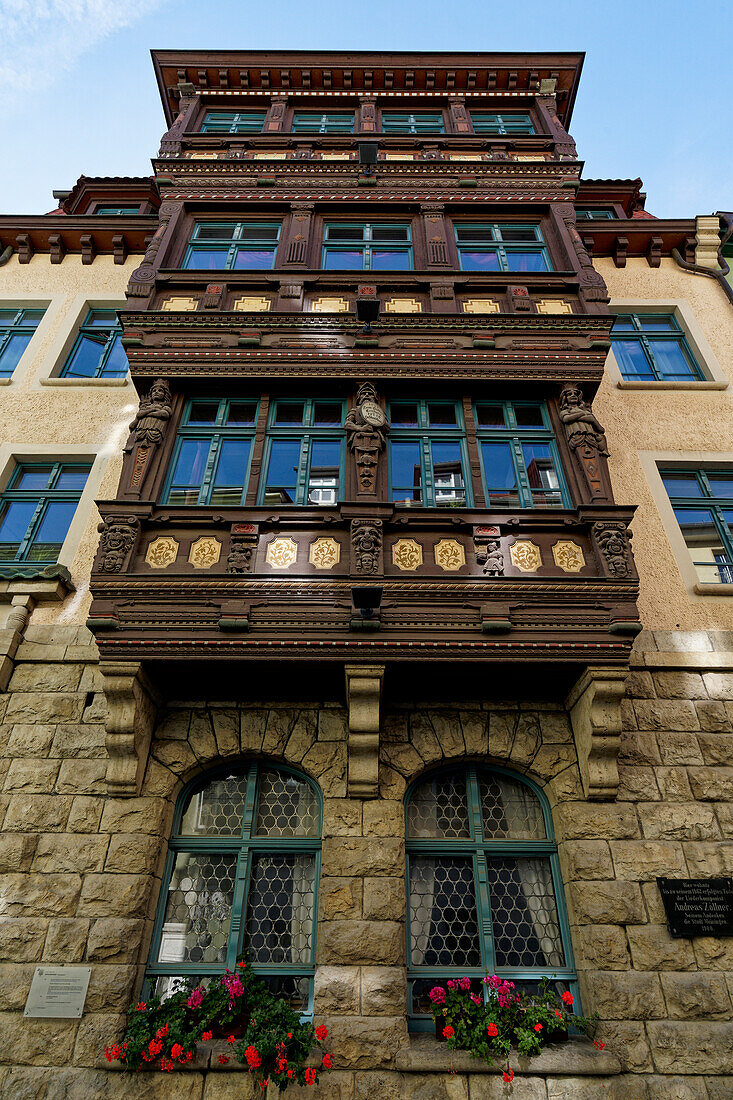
column 155, row 409
column 118, row 538
column 613, row 541
column 239, row 559
column 491, row 557
column 366, row 545
column 366, row 430
column 583, row 430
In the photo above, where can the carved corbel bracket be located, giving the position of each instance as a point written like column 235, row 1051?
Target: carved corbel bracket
column 131, row 711
column 594, row 705
column 363, row 693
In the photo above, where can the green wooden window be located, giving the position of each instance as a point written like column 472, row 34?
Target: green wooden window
column 313, row 122
column 519, row 459
column 97, row 350
column 367, row 246
column 516, row 122
column 36, row 510
column 594, row 213
column 117, row 211
column 213, row 450
column 233, row 246
column 427, row 454
column 417, row 122
column 497, row 247
column 241, row 878
column 305, row 454
column 483, row 885
column 652, row 347
column 16, row 329
column 702, row 500
column 233, row 122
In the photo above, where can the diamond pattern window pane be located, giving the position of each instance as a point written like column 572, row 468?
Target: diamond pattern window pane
column 217, row 809
column 524, row 913
column 510, row 809
column 293, row 989
column 287, row 807
column 439, row 809
column 279, row 925
column 443, row 922
column 198, row 908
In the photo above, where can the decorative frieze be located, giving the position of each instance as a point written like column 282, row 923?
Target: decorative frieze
column 525, row 555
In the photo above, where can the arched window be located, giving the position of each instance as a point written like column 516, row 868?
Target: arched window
column 484, row 887
column 241, row 877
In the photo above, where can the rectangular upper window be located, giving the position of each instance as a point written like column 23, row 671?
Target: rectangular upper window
column 515, row 122
column 373, row 246
column 594, row 213
column 117, row 211
column 417, row 122
column 97, row 350
column 305, row 452
column 427, row 454
column 498, row 247
column 37, row 508
column 520, row 464
column 313, row 122
column 233, row 246
column 211, row 459
column 702, row 500
column 16, row 329
column 233, row 122
column 652, row 347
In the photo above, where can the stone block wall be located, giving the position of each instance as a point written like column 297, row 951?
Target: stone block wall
column 81, row 875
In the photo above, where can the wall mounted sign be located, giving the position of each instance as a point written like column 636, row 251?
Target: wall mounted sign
column 58, row 992
column 698, row 906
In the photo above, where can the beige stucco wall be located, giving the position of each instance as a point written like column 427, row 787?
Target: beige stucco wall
column 684, row 424
column 38, row 420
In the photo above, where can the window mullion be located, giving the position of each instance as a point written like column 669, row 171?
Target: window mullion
column 525, row 491
column 428, row 479
column 239, row 902
column 208, row 478
column 301, row 487
column 483, row 903
column 32, row 527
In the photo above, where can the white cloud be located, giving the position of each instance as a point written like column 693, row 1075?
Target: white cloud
column 42, row 39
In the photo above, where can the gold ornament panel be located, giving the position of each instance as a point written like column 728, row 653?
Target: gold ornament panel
column 554, row 305
column 403, row 305
column 161, row 552
column 204, row 552
column 324, row 553
column 330, row 305
column 252, row 304
column 282, row 553
column 525, row 556
column 449, row 554
column 568, row 555
column 480, row 305
column 407, row 555
column 175, row 304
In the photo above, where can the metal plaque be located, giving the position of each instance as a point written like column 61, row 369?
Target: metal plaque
column 698, row 906
column 58, row 992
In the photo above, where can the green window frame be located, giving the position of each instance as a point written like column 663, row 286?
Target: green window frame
column 305, row 452
column 413, row 122
column 594, row 213
column 314, row 122
column 233, row 122
column 16, row 329
column 97, row 351
column 520, row 463
column 117, row 211
column 497, row 246
column 36, row 511
column 233, row 246
column 514, row 122
column 652, row 347
column 702, row 501
column 213, row 453
column 428, row 459
column 241, row 877
column 367, row 246
column 480, row 847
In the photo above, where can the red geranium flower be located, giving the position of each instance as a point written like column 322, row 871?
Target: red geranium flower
column 242, row 964
column 448, row 1031
column 310, row 1075
column 223, row 1059
column 508, row 1076
column 231, row 1038
column 597, row 1043
column 567, row 997
column 538, row 1027
column 327, row 1062
column 252, row 1056
column 291, row 1072
column 492, row 1030
column 176, row 1050
column 207, row 1035
column 321, row 1032
column 141, row 1007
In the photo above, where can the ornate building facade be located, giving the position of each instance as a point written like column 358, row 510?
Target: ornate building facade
column 368, row 695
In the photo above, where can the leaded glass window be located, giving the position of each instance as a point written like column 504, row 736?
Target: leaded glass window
column 484, row 887
column 241, row 877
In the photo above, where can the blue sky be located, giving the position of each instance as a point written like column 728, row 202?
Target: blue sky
column 78, row 95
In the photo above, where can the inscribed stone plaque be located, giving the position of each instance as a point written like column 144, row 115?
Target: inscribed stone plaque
column 58, row 992
column 698, row 906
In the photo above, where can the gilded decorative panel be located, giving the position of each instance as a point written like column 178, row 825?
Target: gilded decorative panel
column 554, row 305
column 398, row 156
column 252, row 304
column 204, row 552
column 282, row 553
column 335, row 156
column 480, row 305
column 407, row 554
column 161, row 552
column 330, row 305
column 202, row 156
column 466, row 156
column 269, row 155
column 568, row 555
column 179, row 305
column 324, row 553
column 449, row 555
column 526, row 556
column 402, row 305
column 529, row 156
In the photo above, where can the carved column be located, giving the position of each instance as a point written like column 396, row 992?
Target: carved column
column 301, row 214
column 594, row 706
column 366, row 120
column 366, row 435
column 170, row 143
column 564, row 144
column 592, row 288
column 142, row 279
column 435, row 235
column 131, row 711
column 363, row 693
column 276, row 114
column 459, row 115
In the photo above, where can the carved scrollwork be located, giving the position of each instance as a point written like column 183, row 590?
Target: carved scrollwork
column 119, row 536
column 591, row 282
column 366, row 435
column 612, row 540
column 366, row 546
